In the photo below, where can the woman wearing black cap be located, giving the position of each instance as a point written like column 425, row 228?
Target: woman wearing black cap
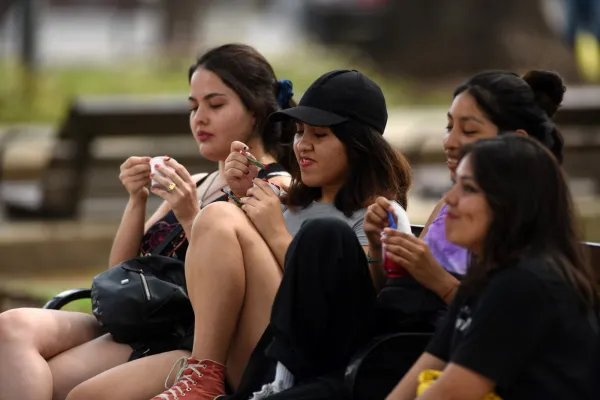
column 234, row 269
column 326, row 307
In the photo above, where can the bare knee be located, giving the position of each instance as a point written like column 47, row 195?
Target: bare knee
column 213, row 217
column 16, row 325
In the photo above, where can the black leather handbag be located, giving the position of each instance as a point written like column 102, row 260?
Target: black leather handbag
column 143, row 298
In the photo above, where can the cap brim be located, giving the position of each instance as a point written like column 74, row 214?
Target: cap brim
column 308, row 115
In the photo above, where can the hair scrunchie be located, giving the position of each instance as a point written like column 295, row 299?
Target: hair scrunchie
column 285, row 93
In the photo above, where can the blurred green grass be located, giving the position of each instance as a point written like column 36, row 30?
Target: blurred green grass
column 54, row 87
column 44, row 288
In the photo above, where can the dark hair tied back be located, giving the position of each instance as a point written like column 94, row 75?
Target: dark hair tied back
column 513, row 103
column 548, row 88
column 285, row 93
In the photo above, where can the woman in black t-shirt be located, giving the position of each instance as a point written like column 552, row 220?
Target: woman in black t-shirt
column 524, row 323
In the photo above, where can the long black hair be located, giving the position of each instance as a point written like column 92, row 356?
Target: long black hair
column 532, row 212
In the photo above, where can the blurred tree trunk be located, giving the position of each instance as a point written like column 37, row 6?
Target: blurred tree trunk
column 5, row 5
column 180, row 25
column 439, row 39
column 261, row 5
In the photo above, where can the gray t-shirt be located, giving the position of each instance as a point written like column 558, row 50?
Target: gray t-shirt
column 294, row 218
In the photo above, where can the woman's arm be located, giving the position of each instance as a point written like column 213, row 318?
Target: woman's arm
column 129, row 236
column 407, row 388
column 279, row 245
column 440, row 282
column 263, row 207
column 414, row 255
column 448, row 287
column 375, row 257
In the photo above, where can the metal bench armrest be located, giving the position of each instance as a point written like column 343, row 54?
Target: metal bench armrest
column 66, row 297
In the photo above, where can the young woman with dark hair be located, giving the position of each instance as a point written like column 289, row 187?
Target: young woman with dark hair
column 45, row 353
column 333, row 298
column 524, row 323
column 485, row 106
column 234, row 269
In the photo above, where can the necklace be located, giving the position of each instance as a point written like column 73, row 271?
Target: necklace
column 207, row 193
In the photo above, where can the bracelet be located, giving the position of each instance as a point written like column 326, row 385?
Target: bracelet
column 372, row 260
column 452, row 289
column 232, row 196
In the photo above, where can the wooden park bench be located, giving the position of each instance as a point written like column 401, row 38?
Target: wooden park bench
column 581, row 107
column 64, row 181
column 367, row 376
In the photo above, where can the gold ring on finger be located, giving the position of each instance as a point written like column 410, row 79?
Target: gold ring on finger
column 171, row 187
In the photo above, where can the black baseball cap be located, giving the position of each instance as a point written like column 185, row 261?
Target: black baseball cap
column 339, row 96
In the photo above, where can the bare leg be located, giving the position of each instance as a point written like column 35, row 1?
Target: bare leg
column 85, row 361
column 29, row 337
column 232, row 279
column 137, row 380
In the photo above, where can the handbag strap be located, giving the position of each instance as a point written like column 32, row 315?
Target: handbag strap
column 168, row 239
column 175, row 232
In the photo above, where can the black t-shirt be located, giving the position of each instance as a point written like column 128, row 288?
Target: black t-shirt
column 527, row 332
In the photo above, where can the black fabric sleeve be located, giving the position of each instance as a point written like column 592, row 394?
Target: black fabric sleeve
column 512, row 315
column 442, row 339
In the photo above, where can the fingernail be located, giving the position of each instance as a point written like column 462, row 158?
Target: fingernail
column 156, row 165
column 167, row 158
column 247, row 172
column 151, row 175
